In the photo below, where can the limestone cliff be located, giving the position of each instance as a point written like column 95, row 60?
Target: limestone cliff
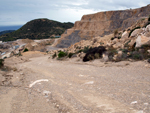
column 102, row 23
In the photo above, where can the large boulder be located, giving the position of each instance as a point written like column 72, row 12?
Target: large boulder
column 118, row 45
column 118, row 56
column 132, row 42
column 105, row 57
column 148, row 28
column 94, row 53
column 125, row 35
column 142, row 40
column 147, row 31
column 136, row 32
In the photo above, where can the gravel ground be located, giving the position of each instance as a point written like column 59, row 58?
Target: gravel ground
column 43, row 85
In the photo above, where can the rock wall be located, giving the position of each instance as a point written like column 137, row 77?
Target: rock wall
column 102, row 23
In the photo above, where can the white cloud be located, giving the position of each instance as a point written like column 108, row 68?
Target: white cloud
column 21, row 11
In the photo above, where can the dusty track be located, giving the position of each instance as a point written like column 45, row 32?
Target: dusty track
column 77, row 87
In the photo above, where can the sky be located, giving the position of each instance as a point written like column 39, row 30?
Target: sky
column 19, row 12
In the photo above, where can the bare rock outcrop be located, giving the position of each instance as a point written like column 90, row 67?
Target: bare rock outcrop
column 102, row 23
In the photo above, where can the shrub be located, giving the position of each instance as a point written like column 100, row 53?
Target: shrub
column 119, row 37
column 97, row 55
column 1, row 63
column 54, row 55
column 25, row 50
column 111, row 52
column 19, row 54
column 62, row 54
column 115, row 32
column 136, row 55
column 70, row 55
column 86, row 49
column 133, row 30
column 145, row 47
column 126, row 44
column 94, row 53
column 79, row 51
column 112, row 38
column 124, row 50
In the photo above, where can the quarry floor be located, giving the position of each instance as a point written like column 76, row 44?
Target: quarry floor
column 39, row 84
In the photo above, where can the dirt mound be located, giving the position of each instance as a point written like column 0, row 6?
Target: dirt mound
column 31, row 54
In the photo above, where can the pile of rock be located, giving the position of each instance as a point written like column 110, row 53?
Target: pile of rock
column 124, row 47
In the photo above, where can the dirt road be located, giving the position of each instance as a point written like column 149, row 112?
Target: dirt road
column 43, row 85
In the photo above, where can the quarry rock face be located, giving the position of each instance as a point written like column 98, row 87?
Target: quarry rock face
column 102, row 23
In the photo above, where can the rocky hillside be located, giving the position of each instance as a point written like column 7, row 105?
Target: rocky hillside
column 38, row 29
column 133, row 43
column 102, row 23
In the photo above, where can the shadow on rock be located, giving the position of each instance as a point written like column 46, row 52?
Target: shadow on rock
column 94, row 53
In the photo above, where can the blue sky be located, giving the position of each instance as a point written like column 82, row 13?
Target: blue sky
column 18, row 12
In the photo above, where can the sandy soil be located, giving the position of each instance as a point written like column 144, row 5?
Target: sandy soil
column 42, row 85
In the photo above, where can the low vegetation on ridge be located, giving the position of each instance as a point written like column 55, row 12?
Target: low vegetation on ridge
column 38, row 29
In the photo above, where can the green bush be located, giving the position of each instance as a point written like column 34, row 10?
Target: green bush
column 126, row 44
column 79, row 51
column 54, row 55
column 25, row 50
column 19, row 54
column 112, row 38
column 112, row 51
column 136, row 55
column 119, row 37
column 62, row 54
column 133, row 30
column 86, row 48
column 125, row 50
column 115, row 32
column 1, row 63
column 145, row 47
column 70, row 55
column 97, row 55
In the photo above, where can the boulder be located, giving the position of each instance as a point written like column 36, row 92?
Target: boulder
column 148, row 28
column 105, row 57
column 125, row 35
column 115, row 41
column 147, row 34
column 117, row 45
column 118, row 56
column 147, row 31
column 141, row 40
column 120, row 53
column 136, row 32
column 81, row 55
column 132, row 42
